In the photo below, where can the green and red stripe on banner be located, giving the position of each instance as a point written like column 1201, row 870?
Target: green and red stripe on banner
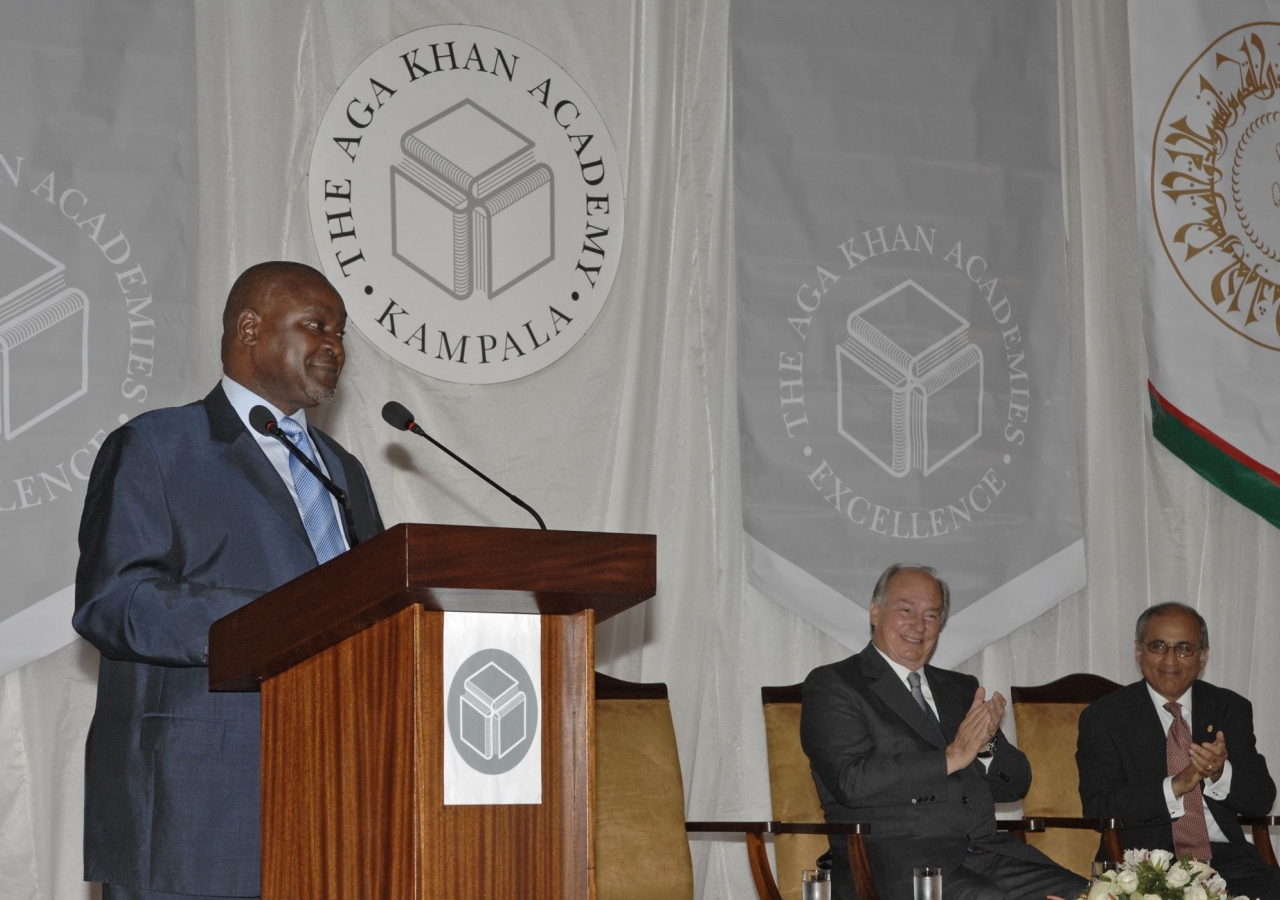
column 1226, row 467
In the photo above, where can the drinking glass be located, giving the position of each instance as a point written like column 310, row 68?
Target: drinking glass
column 815, row 884
column 926, row 882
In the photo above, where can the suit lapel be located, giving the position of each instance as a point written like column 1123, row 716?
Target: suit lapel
column 889, row 687
column 952, row 707
column 243, row 453
column 1203, row 714
column 1148, row 737
column 331, row 462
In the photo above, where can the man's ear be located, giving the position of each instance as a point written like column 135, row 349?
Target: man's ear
column 247, row 327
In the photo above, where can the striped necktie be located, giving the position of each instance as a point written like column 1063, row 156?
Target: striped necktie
column 313, row 498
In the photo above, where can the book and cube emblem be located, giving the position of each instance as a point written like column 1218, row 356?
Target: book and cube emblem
column 492, row 715
column 471, row 209
column 44, row 335
column 910, row 381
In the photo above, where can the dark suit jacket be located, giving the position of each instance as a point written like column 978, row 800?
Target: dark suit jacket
column 1121, row 758
column 185, row 520
column 877, row 757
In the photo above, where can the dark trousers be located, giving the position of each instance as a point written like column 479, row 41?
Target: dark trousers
column 983, row 876
column 1245, row 872
column 992, row 876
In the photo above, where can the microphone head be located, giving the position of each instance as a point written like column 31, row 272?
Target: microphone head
column 262, row 420
column 397, row 416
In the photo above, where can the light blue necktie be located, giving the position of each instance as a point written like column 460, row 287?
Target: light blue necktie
column 313, row 498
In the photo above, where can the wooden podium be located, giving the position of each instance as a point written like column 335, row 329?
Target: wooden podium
column 348, row 660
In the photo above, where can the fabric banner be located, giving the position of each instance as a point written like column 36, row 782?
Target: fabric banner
column 903, row 362
column 98, row 250
column 1206, row 146
column 493, row 709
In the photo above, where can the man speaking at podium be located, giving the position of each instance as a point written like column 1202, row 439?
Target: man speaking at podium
column 190, row 513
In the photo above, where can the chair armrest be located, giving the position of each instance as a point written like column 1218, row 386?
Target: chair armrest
column 757, row 855
column 1020, row 827
column 731, row 827
column 1079, row 822
column 821, row 828
column 766, row 885
column 1260, row 826
column 1110, row 829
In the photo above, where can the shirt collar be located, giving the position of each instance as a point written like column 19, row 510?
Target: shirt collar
column 1184, row 701
column 243, row 400
column 900, row 670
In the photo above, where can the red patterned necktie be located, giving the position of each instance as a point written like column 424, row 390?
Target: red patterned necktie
column 1190, row 834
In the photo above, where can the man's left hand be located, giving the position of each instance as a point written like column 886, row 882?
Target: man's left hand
column 1210, row 757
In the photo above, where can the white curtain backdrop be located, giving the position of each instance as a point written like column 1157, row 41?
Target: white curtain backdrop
column 636, row 428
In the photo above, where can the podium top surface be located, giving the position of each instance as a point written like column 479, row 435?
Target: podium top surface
column 440, row 567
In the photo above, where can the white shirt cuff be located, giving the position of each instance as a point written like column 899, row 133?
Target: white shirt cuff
column 1174, row 803
column 1218, row 790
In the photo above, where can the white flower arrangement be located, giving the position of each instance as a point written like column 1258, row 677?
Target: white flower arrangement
column 1156, row 875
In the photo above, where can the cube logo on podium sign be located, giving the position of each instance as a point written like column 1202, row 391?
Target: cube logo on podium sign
column 909, row 382
column 491, row 712
column 44, row 335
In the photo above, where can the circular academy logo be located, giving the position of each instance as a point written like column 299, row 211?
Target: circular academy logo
column 466, row 201
column 933, row 395
column 1215, row 180
column 492, row 711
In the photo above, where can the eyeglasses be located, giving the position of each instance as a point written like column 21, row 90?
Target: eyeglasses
column 1182, row 651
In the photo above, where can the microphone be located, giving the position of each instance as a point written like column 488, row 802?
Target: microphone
column 264, row 422
column 395, row 415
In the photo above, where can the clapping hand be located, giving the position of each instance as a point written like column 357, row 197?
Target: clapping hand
column 976, row 731
column 1207, row 760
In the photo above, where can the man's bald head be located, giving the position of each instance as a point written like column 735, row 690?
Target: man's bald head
column 282, row 334
column 256, row 289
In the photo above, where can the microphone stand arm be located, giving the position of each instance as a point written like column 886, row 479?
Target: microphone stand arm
column 416, row 429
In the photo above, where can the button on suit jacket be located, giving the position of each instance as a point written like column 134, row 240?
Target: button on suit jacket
column 185, row 520
column 877, row 757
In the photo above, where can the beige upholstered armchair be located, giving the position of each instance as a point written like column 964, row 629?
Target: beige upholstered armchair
column 641, row 850
column 641, row 842
column 802, row 834
column 1048, row 720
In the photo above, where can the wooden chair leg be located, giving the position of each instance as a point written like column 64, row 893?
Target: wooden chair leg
column 766, row 887
column 1262, row 840
column 862, row 881
column 1111, row 842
